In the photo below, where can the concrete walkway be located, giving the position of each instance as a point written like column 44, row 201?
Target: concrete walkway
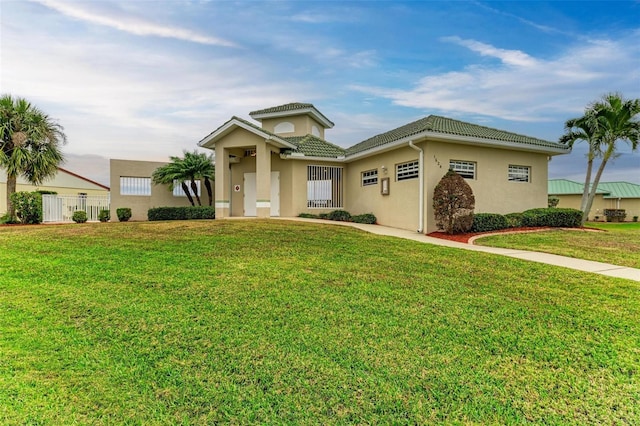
column 550, row 259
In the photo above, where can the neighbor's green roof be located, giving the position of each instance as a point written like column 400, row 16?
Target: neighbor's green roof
column 443, row 125
column 607, row 189
column 313, row 146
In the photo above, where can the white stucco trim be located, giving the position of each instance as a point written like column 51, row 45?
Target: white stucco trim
column 263, row 204
column 222, row 204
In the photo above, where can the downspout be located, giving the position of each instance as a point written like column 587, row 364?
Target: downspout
column 420, row 186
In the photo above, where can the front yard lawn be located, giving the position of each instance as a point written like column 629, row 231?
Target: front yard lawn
column 284, row 322
column 619, row 244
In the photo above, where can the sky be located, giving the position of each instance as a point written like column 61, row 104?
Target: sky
column 146, row 80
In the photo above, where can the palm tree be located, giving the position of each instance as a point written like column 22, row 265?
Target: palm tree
column 171, row 173
column 192, row 167
column 608, row 121
column 30, row 144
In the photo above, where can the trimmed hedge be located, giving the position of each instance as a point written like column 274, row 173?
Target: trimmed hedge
column 484, row 222
column 514, row 220
column 340, row 216
column 104, row 215
column 553, row 217
column 79, row 216
column 123, row 213
column 181, row 213
column 367, row 218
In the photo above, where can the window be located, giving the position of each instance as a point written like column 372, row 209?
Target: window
column 406, row 171
column 466, row 169
column 519, row 173
column 324, row 187
column 370, row 177
column 179, row 192
column 284, row 127
column 135, row 185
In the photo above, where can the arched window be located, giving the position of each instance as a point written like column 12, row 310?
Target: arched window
column 284, row 127
column 315, row 131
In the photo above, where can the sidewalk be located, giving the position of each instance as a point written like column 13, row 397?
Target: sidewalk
column 550, row 259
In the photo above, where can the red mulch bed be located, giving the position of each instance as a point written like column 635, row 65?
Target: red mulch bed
column 464, row 238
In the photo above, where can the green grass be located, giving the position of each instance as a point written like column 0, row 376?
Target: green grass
column 284, row 322
column 619, row 244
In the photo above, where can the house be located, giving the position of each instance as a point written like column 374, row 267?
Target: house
column 131, row 187
column 609, row 195
column 282, row 165
column 64, row 182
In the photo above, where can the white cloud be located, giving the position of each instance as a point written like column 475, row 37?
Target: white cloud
column 524, row 88
column 130, row 24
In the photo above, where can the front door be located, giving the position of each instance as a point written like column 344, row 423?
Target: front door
column 250, row 198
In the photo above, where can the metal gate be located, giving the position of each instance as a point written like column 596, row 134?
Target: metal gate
column 60, row 208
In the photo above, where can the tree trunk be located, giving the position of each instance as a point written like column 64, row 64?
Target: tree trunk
column 194, row 187
column 207, row 184
column 186, row 191
column 586, row 191
column 11, row 189
column 596, row 181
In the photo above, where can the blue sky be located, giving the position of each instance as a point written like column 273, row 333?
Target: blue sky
column 148, row 79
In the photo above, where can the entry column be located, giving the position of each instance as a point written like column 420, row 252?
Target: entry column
column 263, row 180
column 222, row 184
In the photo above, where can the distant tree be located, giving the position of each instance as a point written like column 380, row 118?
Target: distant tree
column 193, row 166
column 30, row 144
column 605, row 123
column 453, row 204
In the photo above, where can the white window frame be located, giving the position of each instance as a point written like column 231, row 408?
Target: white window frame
column 179, row 192
column 520, row 174
column 135, row 185
column 466, row 169
column 325, row 187
column 369, row 177
column 408, row 170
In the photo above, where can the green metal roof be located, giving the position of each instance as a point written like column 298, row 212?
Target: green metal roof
column 607, row 189
column 313, row 146
column 620, row 189
column 443, row 125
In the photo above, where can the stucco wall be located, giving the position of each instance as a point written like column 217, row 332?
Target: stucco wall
column 631, row 205
column 140, row 204
column 303, row 125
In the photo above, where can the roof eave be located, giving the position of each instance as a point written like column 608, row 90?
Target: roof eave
column 210, row 140
column 310, row 110
column 298, row 156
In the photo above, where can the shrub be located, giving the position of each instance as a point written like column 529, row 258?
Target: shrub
column 323, row 216
column 79, row 216
column 553, row 201
column 635, row 218
column 368, row 218
column 484, row 222
column 104, row 215
column 554, row 217
column 8, row 220
column 514, row 220
column 308, row 215
column 28, row 206
column 453, row 204
column 181, row 213
column 615, row 215
column 124, row 214
column 340, row 216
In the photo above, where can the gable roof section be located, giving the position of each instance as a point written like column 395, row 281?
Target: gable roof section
column 84, row 178
column 288, row 110
column 434, row 125
column 606, row 189
column 313, row 146
column 237, row 122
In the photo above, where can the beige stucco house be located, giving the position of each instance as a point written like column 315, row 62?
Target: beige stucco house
column 609, row 195
column 282, row 165
column 131, row 187
column 64, row 182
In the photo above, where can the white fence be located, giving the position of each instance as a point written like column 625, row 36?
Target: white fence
column 60, row 208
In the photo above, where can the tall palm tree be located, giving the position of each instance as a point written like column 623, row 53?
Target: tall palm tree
column 608, row 121
column 193, row 166
column 171, row 173
column 30, row 144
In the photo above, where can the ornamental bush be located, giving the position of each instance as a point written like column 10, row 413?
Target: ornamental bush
column 181, row 213
column 28, row 207
column 340, row 216
column 453, row 204
column 553, row 217
column 615, row 215
column 104, row 215
column 514, row 220
column 308, row 215
column 484, row 222
column 367, row 218
column 124, row 214
column 79, row 216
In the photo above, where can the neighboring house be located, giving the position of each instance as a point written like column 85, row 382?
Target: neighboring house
column 609, row 195
column 284, row 167
column 64, row 182
column 131, row 187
